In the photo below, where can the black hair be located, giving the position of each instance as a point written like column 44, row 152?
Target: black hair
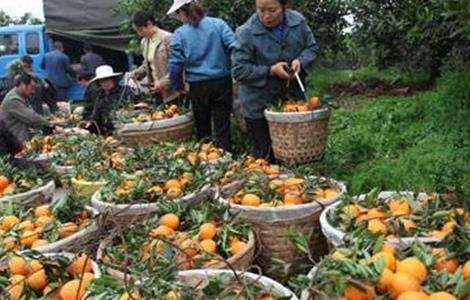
column 23, row 78
column 141, row 18
column 85, row 76
column 27, row 60
column 195, row 12
column 87, row 47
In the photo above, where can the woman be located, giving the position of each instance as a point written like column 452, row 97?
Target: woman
column 104, row 96
column 273, row 45
column 200, row 48
column 155, row 47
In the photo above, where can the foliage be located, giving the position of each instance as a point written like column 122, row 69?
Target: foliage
column 27, row 18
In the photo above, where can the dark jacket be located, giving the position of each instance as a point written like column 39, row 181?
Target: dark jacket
column 58, row 69
column 91, row 61
column 9, row 145
column 257, row 49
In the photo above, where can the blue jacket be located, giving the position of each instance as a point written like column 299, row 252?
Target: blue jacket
column 257, row 49
column 58, row 69
column 202, row 51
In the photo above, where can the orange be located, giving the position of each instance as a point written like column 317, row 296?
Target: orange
column 43, row 221
column 28, row 238
column 330, row 193
column 399, row 207
column 173, row 183
column 375, row 214
column 351, row 210
column 17, row 266
column 251, row 200
column 213, row 156
column 73, row 290
column 37, row 280
column 466, row 270
column 9, row 243
column 67, row 229
column 389, row 259
column 376, row 225
column 9, row 221
column 449, row 226
column 272, row 170
column 4, row 182
column 442, row 263
column 42, row 211
column 188, row 248
column 209, row 246
column 170, row 220
column 441, row 296
column 87, row 277
column 237, row 247
column 413, row 296
column 207, row 231
column 26, row 225
column 39, row 243
column 173, row 192
column 338, row 255
column 162, row 230
column 414, row 267
column 80, row 265
column 15, row 289
column 385, row 281
column 408, row 224
column 293, row 182
column 354, row 293
column 313, row 103
column 291, row 199
column 34, row 266
column 402, row 283
column 388, row 248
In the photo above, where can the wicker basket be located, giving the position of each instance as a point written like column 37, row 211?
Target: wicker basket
column 36, row 196
column 197, row 278
column 274, row 227
column 178, row 129
column 241, row 261
column 125, row 214
column 298, row 138
column 337, row 237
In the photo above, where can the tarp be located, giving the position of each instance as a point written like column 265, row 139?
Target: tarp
column 92, row 21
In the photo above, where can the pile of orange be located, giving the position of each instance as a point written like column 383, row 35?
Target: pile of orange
column 168, row 112
column 29, row 277
column 6, row 187
column 30, row 232
column 297, row 106
column 238, row 170
column 202, row 153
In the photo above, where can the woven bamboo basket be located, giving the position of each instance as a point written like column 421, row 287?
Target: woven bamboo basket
column 125, row 214
column 178, row 129
column 337, row 237
column 298, row 137
column 77, row 241
column 274, row 227
column 36, row 196
column 241, row 261
column 198, row 278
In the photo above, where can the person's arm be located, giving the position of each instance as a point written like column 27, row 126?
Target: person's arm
column 310, row 51
column 244, row 69
column 228, row 36
column 176, row 62
column 26, row 115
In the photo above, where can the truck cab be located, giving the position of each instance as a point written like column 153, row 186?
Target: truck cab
column 16, row 41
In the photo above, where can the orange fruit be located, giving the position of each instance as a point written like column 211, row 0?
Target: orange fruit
column 338, row 255
column 42, row 211
column 413, row 296
column 449, row 226
column 402, row 283
column 414, row 267
column 389, row 259
column 34, row 266
column 399, row 207
column 26, row 225
column 209, row 246
column 291, row 199
column 88, row 277
column 207, row 231
column 442, row 263
column 9, row 243
column 330, row 193
column 251, row 200
column 15, row 289
column 28, row 238
column 313, row 103
column 385, row 281
column 351, row 210
column 80, row 265
column 162, row 230
column 375, row 213
column 466, row 270
column 355, row 293
column 67, row 229
column 73, row 290
column 17, row 266
column 214, row 155
column 376, row 225
column 4, row 182
column 293, row 182
column 9, row 221
column 388, row 248
column 188, row 248
column 441, row 296
column 37, row 280
column 408, row 224
column 272, row 170
column 237, row 247
column 170, row 220
column 39, row 243
column 173, row 192
column 173, row 183
column 43, row 221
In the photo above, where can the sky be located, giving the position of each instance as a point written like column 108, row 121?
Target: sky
column 17, row 8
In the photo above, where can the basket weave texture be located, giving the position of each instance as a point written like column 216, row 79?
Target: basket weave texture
column 33, row 197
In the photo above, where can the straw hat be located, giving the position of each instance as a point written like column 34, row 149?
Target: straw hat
column 177, row 4
column 104, row 72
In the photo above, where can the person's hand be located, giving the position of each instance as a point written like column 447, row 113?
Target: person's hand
column 296, row 66
column 59, row 129
column 280, row 70
column 157, row 87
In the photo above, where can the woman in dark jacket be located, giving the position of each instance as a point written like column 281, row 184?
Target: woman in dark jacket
column 273, row 45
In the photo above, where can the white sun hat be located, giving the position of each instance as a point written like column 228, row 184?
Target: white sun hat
column 177, row 4
column 103, row 72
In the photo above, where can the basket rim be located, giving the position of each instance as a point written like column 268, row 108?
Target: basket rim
column 155, row 125
column 30, row 193
column 297, row 117
column 328, row 229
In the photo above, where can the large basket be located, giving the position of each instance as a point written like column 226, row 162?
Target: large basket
column 274, row 227
column 178, row 129
column 197, row 278
column 36, row 196
column 298, row 137
column 241, row 261
column 125, row 214
column 337, row 237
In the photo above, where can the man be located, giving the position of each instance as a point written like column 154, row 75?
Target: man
column 18, row 117
column 90, row 60
column 58, row 70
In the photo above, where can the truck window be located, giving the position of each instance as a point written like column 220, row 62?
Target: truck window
column 32, row 43
column 8, row 44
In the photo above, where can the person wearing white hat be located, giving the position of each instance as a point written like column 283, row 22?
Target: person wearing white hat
column 200, row 50
column 103, row 96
